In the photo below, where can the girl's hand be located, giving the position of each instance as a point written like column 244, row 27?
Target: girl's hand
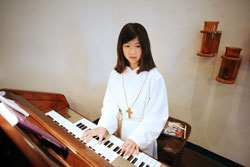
column 129, row 147
column 99, row 131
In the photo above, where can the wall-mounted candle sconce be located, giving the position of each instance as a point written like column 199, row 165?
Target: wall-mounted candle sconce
column 230, row 65
column 210, row 40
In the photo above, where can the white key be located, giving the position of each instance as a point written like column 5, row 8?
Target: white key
column 113, row 157
column 116, row 141
column 98, row 148
column 77, row 132
column 106, row 151
column 101, row 149
column 117, row 144
column 157, row 164
column 92, row 143
column 148, row 160
column 144, row 159
column 88, row 123
column 153, row 162
column 109, row 155
column 139, row 157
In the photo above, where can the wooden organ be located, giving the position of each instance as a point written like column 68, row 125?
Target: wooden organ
column 51, row 112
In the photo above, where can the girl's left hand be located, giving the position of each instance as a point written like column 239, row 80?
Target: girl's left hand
column 129, row 147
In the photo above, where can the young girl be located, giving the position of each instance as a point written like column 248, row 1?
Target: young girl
column 135, row 103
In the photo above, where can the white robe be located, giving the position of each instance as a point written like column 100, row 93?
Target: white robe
column 151, row 106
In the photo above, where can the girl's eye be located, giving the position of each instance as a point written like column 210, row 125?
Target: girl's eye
column 138, row 46
column 126, row 46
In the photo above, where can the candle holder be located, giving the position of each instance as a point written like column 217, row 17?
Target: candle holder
column 211, row 39
column 230, row 65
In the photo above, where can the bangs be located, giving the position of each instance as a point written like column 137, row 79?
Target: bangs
column 129, row 34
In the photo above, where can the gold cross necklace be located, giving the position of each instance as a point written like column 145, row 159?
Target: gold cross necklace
column 129, row 108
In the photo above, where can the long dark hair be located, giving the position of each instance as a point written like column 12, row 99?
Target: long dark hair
column 129, row 32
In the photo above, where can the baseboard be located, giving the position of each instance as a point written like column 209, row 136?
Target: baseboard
column 211, row 155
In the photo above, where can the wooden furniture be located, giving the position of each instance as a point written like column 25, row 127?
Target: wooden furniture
column 230, row 65
column 170, row 148
column 38, row 105
column 211, row 39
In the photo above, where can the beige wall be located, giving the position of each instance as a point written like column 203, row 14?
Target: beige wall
column 69, row 47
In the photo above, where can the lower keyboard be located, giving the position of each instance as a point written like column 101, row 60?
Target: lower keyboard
column 110, row 149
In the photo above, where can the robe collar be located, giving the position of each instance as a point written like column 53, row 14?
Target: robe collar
column 129, row 70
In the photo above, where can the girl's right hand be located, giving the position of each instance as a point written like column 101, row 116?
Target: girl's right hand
column 99, row 131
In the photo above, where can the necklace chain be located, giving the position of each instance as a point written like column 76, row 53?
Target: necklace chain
column 138, row 93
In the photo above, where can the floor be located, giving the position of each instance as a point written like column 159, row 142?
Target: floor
column 191, row 158
column 196, row 156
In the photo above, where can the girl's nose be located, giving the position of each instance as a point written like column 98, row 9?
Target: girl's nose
column 132, row 50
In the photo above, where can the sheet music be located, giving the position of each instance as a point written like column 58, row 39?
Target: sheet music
column 12, row 104
column 2, row 93
column 15, row 118
column 8, row 115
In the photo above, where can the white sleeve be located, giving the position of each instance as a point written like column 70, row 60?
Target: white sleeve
column 155, row 117
column 109, row 111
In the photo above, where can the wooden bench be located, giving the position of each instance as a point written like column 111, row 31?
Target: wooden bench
column 169, row 148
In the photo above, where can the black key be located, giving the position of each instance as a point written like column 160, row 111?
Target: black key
column 141, row 165
column 133, row 162
column 119, row 151
column 122, row 154
column 106, row 143
column 110, row 145
column 147, row 166
column 116, row 149
column 84, row 127
column 130, row 158
column 79, row 124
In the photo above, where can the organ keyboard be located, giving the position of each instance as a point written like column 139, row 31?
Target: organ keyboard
column 110, row 149
column 68, row 126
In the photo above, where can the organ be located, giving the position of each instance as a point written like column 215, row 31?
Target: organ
column 52, row 113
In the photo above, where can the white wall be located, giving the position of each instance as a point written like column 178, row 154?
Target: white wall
column 70, row 47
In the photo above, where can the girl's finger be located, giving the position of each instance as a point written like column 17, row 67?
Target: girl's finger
column 84, row 135
column 124, row 147
column 137, row 150
column 129, row 151
column 100, row 139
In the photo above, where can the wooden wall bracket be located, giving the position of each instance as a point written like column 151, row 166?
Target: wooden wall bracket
column 211, row 39
column 230, row 65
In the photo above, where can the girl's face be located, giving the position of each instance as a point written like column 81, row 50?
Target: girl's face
column 133, row 52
